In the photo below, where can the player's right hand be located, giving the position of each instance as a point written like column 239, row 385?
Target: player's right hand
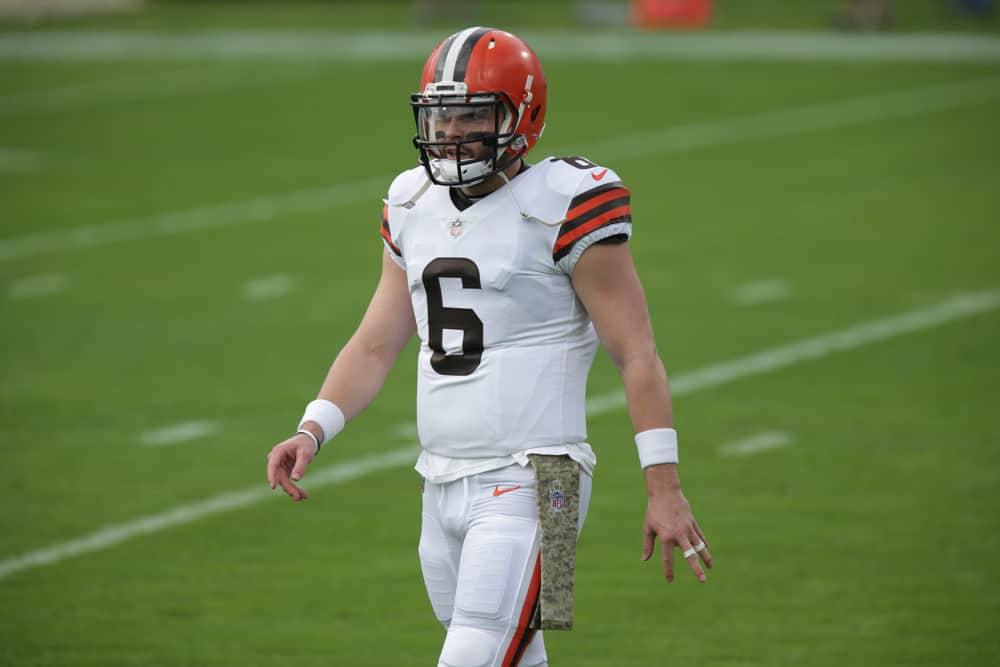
column 286, row 464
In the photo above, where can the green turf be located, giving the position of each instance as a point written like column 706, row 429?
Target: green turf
column 871, row 541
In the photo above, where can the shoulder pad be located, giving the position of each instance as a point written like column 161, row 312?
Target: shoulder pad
column 406, row 186
column 571, row 175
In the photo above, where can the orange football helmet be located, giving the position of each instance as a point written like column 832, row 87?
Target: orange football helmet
column 480, row 86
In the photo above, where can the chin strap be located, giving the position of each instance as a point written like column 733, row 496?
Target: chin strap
column 525, row 216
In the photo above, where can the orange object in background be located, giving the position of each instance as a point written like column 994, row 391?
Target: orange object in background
column 657, row 14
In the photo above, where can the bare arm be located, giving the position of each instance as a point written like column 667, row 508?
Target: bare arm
column 356, row 376
column 608, row 285
column 358, row 372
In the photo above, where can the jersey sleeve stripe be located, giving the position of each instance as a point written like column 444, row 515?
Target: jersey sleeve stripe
column 591, row 213
column 584, row 202
column 566, row 240
column 386, row 234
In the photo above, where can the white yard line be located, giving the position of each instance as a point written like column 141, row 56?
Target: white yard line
column 678, row 139
column 240, row 212
column 761, row 291
column 150, row 86
column 188, row 513
column 823, row 116
column 269, row 287
column 756, row 443
column 772, row 359
column 298, row 46
column 175, row 433
column 34, row 286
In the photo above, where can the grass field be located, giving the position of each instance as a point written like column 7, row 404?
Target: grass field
column 189, row 236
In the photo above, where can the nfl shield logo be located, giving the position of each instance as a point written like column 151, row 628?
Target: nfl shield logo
column 556, row 496
column 456, row 228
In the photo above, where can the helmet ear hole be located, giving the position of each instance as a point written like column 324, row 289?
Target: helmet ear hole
column 535, row 112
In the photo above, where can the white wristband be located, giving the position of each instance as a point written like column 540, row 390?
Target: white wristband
column 657, row 445
column 327, row 415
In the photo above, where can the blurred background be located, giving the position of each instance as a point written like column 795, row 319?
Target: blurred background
column 190, row 198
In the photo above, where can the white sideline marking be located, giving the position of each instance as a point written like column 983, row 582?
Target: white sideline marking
column 15, row 159
column 965, row 305
column 756, row 443
column 761, row 291
column 270, row 287
column 171, row 435
column 672, row 140
column 47, row 283
column 296, row 46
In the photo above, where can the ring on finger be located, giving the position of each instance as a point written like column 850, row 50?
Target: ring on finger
column 690, row 552
column 700, row 547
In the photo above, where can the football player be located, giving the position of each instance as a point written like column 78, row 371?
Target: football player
column 511, row 274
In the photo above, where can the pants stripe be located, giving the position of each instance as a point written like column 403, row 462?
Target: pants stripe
column 522, row 635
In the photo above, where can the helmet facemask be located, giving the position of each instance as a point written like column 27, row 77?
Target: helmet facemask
column 464, row 139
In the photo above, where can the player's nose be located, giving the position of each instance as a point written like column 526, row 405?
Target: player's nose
column 454, row 129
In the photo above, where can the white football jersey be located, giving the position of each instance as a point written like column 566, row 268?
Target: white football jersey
column 506, row 345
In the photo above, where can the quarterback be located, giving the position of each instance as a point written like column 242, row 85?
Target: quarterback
column 511, row 274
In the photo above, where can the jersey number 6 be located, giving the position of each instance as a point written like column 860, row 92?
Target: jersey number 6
column 440, row 318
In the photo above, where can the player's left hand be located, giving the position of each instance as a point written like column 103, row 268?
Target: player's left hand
column 670, row 520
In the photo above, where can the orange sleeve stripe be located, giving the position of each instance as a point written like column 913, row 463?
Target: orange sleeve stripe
column 388, row 238
column 516, row 648
column 571, row 237
column 385, row 213
column 580, row 209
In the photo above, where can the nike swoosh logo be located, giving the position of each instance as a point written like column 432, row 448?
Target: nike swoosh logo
column 599, row 175
column 497, row 491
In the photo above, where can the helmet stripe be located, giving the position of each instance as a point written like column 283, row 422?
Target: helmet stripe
column 462, row 64
column 442, row 55
column 456, row 59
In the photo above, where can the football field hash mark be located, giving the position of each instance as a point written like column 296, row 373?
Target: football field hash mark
column 270, row 287
column 171, row 435
column 678, row 139
column 16, row 159
column 962, row 306
column 762, row 291
column 47, row 283
column 756, row 443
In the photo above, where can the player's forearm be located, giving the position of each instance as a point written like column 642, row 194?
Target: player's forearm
column 647, row 391
column 357, row 375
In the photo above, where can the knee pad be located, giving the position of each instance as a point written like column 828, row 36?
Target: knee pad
column 468, row 647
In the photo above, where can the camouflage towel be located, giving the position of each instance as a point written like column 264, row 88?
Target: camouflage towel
column 557, row 485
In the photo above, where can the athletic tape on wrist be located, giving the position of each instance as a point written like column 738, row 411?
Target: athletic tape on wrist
column 327, row 415
column 657, row 445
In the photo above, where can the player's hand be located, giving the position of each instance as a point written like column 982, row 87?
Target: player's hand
column 669, row 520
column 286, row 464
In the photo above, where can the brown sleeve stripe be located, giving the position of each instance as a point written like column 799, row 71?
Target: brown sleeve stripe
column 386, row 234
column 585, row 200
column 589, row 211
column 565, row 241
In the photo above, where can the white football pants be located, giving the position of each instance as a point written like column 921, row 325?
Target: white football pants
column 479, row 545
